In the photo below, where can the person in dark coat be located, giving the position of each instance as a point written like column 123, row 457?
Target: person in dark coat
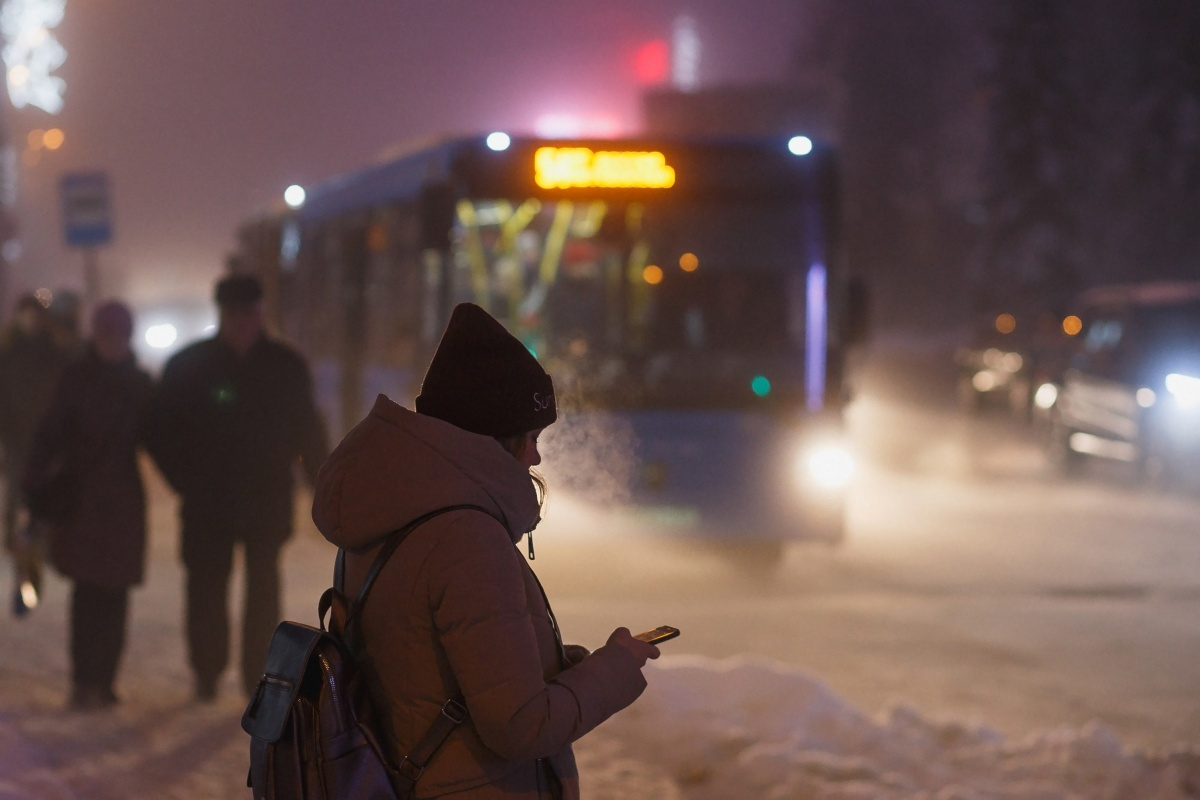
column 457, row 611
column 30, row 364
column 93, row 427
column 232, row 416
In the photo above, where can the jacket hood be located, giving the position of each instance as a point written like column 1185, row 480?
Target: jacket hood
column 396, row 465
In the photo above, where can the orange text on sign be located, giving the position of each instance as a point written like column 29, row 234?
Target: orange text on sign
column 578, row 167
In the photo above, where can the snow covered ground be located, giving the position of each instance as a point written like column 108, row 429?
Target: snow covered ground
column 739, row 728
column 705, row 729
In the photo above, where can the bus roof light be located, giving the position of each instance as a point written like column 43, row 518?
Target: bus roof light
column 800, row 145
column 294, row 196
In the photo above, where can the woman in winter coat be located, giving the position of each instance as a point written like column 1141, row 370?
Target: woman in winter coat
column 458, row 610
column 98, row 538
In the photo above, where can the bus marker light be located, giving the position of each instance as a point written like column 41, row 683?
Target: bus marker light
column 294, row 196
column 800, row 145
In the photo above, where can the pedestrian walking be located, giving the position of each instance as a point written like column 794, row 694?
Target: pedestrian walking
column 457, row 613
column 63, row 320
column 82, row 478
column 232, row 416
column 30, row 364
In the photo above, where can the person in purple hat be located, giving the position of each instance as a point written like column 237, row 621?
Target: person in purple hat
column 82, row 477
column 457, row 612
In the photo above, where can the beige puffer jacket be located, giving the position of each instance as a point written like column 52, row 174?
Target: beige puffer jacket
column 458, row 609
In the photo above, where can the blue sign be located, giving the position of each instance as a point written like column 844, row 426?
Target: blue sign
column 86, row 218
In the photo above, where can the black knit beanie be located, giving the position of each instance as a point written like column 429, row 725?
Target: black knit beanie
column 483, row 380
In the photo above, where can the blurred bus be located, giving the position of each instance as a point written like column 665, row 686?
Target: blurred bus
column 689, row 298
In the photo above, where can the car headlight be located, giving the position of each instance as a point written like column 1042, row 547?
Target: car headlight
column 986, row 380
column 162, row 335
column 825, row 466
column 1184, row 388
column 1046, row 396
column 1002, row 361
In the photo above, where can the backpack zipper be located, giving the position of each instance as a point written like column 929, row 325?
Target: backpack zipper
column 327, row 670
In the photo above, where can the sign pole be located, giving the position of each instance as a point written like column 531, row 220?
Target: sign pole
column 91, row 279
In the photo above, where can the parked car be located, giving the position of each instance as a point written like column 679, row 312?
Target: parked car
column 1131, row 390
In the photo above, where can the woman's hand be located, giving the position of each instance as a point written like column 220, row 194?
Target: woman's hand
column 641, row 651
column 575, row 653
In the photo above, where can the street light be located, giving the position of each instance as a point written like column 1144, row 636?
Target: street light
column 30, row 54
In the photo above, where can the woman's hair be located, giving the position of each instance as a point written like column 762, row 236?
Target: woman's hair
column 513, row 445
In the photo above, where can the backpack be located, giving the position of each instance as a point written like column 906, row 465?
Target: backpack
column 310, row 720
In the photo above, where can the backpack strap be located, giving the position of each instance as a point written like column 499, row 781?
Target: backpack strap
column 454, row 710
column 413, row 764
column 397, row 537
column 349, row 630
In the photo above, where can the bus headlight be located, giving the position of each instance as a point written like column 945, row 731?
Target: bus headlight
column 1185, row 389
column 825, row 466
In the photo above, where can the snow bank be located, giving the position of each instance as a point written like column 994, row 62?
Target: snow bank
column 705, row 729
column 747, row 728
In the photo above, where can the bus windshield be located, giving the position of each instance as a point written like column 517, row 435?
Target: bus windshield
column 693, row 303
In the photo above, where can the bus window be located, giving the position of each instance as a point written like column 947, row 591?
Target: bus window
column 584, row 284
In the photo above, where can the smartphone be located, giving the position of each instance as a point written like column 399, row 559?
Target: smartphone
column 658, row 635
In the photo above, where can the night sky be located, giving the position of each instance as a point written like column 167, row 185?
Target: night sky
column 203, row 112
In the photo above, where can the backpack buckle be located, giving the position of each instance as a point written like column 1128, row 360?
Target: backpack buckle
column 409, row 769
column 455, row 711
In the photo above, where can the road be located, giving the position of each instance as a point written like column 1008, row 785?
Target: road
column 974, row 583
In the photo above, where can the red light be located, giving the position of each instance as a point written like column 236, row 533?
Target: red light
column 652, row 62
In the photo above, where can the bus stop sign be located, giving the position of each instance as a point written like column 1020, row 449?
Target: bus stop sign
column 86, row 219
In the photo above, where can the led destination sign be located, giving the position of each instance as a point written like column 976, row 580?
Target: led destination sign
column 582, row 167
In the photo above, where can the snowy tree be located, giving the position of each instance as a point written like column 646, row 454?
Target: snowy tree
column 1023, row 148
column 908, row 132
column 1094, row 166
column 1039, row 158
column 1164, row 169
